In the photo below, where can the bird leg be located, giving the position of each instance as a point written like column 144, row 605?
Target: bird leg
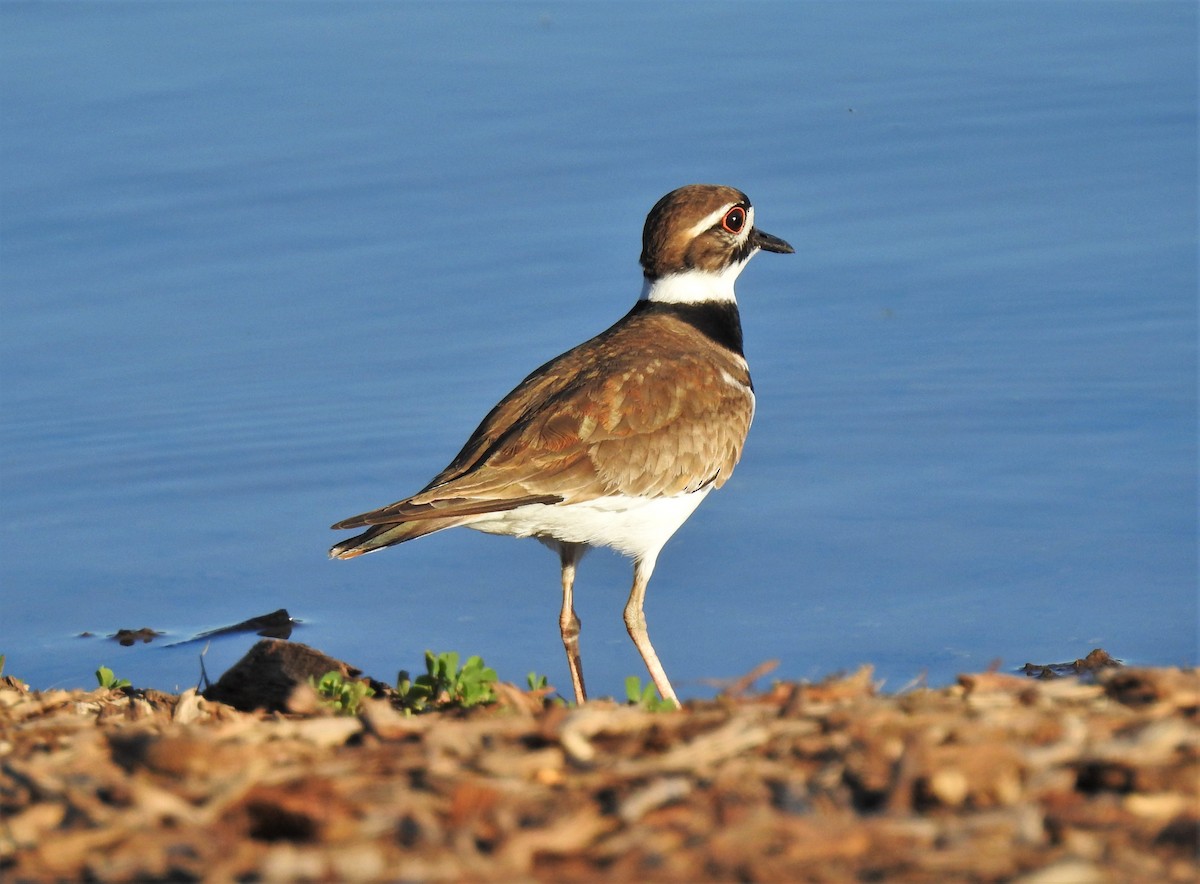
column 635, row 622
column 568, row 621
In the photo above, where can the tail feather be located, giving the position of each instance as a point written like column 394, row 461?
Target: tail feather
column 442, row 509
column 388, row 535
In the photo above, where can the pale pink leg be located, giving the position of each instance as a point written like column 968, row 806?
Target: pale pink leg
column 635, row 622
column 568, row 621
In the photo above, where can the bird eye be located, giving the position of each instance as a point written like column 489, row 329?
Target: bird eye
column 734, row 220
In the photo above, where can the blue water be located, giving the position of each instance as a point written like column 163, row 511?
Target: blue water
column 264, row 266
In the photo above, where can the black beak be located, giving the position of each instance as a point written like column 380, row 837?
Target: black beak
column 762, row 240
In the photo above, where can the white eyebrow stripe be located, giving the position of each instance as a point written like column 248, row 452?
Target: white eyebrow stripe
column 711, row 219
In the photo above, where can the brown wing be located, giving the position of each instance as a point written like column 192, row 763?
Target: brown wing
column 647, row 408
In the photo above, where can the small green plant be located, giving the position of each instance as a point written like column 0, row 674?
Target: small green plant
column 109, row 681
column 413, row 696
column 646, row 697
column 444, row 684
column 540, row 683
column 340, row 694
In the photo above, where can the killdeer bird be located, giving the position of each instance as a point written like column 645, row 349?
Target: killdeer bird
column 615, row 442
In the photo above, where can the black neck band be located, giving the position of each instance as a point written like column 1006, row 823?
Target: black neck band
column 719, row 321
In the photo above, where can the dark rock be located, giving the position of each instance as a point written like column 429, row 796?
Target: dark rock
column 128, row 637
column 1095, row 662
column 271, row 670
column 277, row 624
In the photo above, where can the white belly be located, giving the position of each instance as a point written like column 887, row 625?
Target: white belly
column 634, row 526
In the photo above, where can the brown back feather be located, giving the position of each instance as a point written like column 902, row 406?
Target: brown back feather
column 645, row 408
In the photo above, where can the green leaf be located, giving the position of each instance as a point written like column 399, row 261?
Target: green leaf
column 633, row 689
column 109, row 681
column 646, row 697
column 339, row 694
column 445, row 684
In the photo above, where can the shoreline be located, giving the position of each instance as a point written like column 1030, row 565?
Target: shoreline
column 997, row 777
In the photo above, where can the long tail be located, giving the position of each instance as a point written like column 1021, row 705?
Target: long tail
column 405, row 520
column 381, row 536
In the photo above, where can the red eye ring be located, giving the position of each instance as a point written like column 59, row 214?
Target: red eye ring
column 734, row 220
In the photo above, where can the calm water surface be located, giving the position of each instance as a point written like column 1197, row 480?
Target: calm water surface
column 265, row 266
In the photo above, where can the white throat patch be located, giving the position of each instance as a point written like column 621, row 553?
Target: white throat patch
column 694, row 286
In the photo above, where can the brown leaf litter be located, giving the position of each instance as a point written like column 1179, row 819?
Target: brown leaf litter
column 995, row 778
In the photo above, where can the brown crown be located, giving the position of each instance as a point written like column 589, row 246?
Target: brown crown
column 668, row 244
